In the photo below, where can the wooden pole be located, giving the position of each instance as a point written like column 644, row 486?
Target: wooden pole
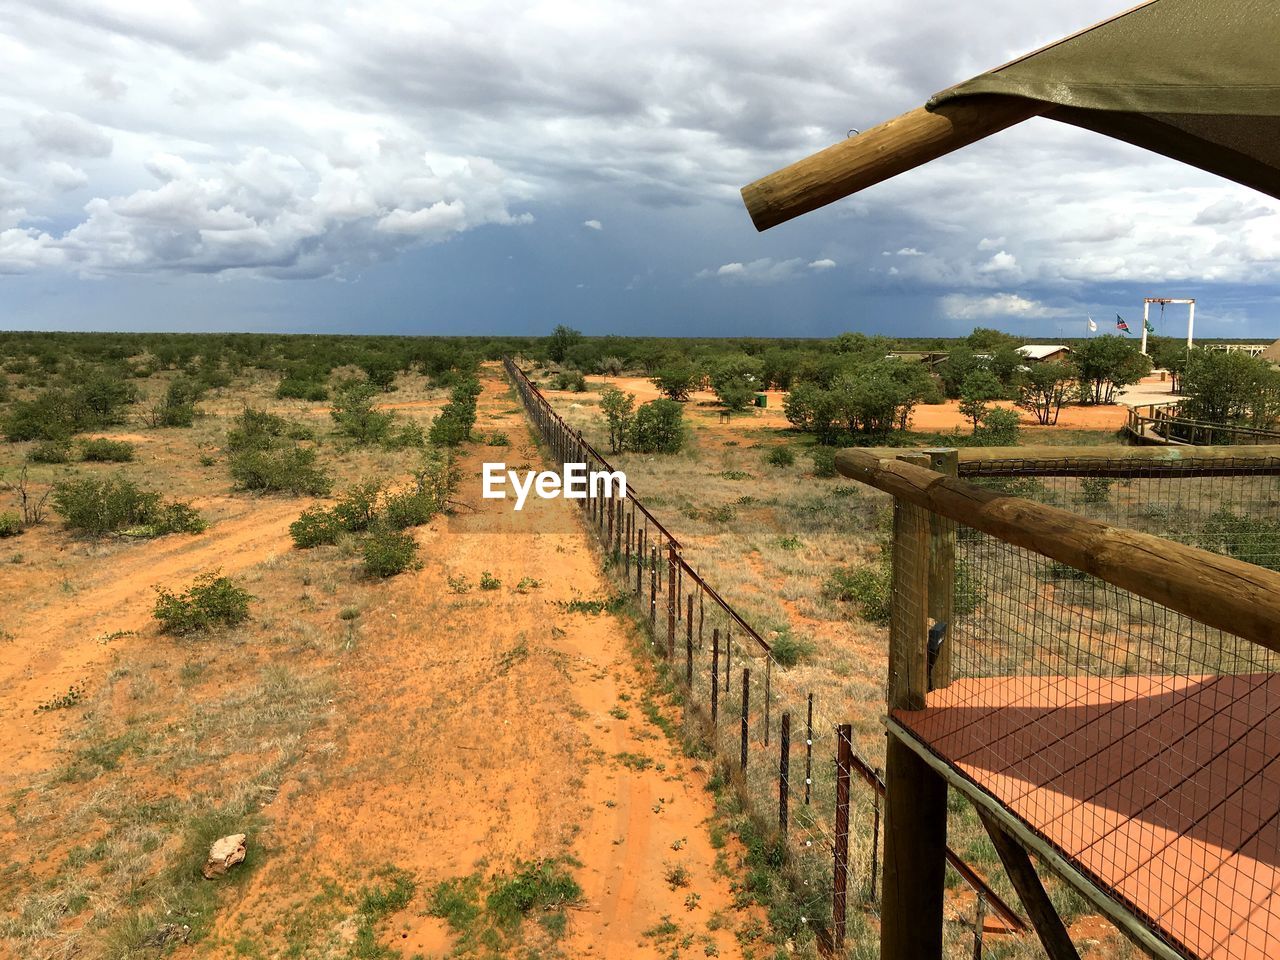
column 688, row 644
column 653, row 590
column 1114, row 460
column 1022, row 874
column 915, row 826
column 885, row 151
column 1218, row 591
column 808, row 753
column 840, row 878
column 979, row 920
column 746, row 711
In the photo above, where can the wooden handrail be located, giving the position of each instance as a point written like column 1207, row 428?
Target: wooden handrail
column 884, row 151
column 1219, row 591
column 1107, row 460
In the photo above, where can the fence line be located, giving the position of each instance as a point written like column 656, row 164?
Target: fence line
column 810, row 825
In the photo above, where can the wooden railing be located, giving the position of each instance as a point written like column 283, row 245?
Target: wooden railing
column 1162, row 424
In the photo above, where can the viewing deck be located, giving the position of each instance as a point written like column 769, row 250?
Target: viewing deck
column 1164, row 790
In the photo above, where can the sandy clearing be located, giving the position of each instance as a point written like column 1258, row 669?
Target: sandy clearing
column 482, row 728
column 56, row 633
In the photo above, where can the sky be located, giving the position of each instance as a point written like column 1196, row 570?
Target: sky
column 401, row 166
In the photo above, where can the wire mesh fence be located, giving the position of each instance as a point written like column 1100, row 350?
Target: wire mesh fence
column 789, row 756
column 1128, row 717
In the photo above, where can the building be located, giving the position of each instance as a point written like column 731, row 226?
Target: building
column 1045, row 353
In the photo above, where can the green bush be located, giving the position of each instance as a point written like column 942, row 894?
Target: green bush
column 256, row 430
column 212, row 601
column 292, row 388
column 658, row 427
column 289, row 470
column 101, row 505
column 409, row 435
column 357, row 510
column 315, row 527
column 868, row 587
column 388, row 552
column 409, row 508
column 998, row 427
column 50, row 451
column 781, row 457
column 448, row 429
column 10, row 525
column 787, row 651
column 569, row 380
column 355, row 417
column 101, row 450
column 824, row 461
column 1096, row 489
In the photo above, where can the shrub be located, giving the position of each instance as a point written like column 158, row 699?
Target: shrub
column 824, row 461
column 355, row 417
column 50, row 451
column 256, row 430
column 10, row 525
column 315, row 527
column 358, row 508
column 101, row 450
column 453, row 425
column 212, row 601
column 998, row 427
column 409, row 435
column 489, row 582
column 101, row 505
column 498, row 439
column 788, row 651
column 867, row 587
column 569, row 380
column 658, row 427
column 781, row 457
column 292, row 388
column 409, row 508
column 388, row 552
column 291, row 470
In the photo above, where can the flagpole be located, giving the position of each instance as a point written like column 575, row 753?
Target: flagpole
column 1146, row 313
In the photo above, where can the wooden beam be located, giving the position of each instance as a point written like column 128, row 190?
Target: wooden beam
column 1218, row 591
column 1107, row 459
column 942, row 576
column 1049, row 926
column 877, row 154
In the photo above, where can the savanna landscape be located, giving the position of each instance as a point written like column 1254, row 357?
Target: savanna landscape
column 250, row 587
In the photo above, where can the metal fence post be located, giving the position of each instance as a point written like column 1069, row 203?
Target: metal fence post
column 808, row 753
column 784, row 772
column 715, row 673
column 746, row 710
column 840, row 880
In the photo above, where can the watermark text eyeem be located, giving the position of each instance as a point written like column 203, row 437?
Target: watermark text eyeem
column 576, row 482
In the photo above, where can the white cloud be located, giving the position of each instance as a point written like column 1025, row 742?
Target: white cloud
column 1230, row 210
column 910, row 252
column 760, row 272
column 960, row 306
column 826, row 263
column 593, row 224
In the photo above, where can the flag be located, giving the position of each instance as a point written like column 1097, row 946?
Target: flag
column 1093, row 327
column 1150, row 328
column 1120, row 324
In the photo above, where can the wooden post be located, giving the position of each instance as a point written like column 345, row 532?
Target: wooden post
column 746, row 709
column 784, row 773
column 768, row 691
column 1017, row 865
column 640, row 564
column 942, row 577
column 688, row 645
column 672, row 601
column 840, row 879
column 979, row 920
column 915, row 824
column 715, row 673
column 608, row 540
column 728, row 656
column 875, row 839
column 631, row 517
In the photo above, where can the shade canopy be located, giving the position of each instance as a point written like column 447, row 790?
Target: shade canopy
column 1195, row 80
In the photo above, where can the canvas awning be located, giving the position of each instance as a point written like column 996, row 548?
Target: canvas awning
column 1196, row 80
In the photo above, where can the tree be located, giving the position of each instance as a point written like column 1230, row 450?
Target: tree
column 1105, row 363
column 1230, row 388
column 960, row 363
column 561, row 339
column 980, row 387
column 355, row 417
column 814, row 409
column 677, row 379
column 658, row 427
column 735, row 380
column 618, row 409
column 1044, row 388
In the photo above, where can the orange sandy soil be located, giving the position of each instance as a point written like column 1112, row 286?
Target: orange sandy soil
column 445, row 732
column 940, row 417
